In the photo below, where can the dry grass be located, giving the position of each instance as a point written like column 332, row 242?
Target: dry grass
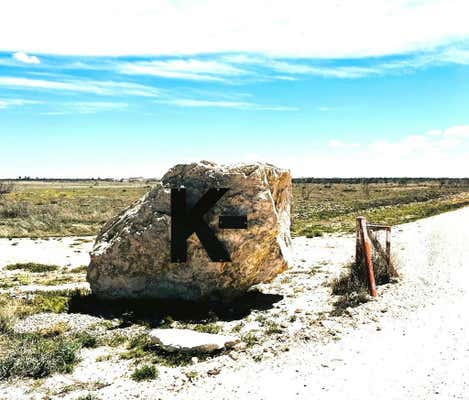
column 41, row 209
column 332, row 207
column 53, row 209
column 351, row 287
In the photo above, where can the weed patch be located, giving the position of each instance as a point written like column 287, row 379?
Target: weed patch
column 144, row 373
column 32, row 267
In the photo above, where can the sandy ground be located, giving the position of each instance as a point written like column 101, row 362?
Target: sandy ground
column 66, row 252
column 411, row 343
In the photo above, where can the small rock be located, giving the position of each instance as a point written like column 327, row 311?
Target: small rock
column 186, row 340
column 214, row 371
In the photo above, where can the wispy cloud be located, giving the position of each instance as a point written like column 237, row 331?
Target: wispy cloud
column 84, row 107
column 4, row 103
column 105, row 88
column 189, row 69
column 92, row 107
column 241, row 105
column 25, row 58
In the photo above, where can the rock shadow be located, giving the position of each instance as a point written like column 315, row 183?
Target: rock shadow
column 157, row 312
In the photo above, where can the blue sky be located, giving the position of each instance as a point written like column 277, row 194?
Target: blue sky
column 326, row 89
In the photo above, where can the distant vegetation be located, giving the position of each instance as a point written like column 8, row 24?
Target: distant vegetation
column 43, row 208
column 40, row 209
column 331, row 205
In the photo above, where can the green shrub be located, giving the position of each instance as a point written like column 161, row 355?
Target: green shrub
column 145, row 372
column 34, row 356
column 7, row 319
column 86, row 339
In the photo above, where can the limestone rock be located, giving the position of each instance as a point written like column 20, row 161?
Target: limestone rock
column 131, row 256
column 186, row 340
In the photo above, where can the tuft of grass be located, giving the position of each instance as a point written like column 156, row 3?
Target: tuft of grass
column 115, row 340
column 207, row 328
column 173, row 359
column 7, row 319
column 88, row 396
column 55, row 302
column 138, row 347
column 250, row 338
column 144, row 373
column 32, row 267
column 192, row 375
column 55, row 330
column 35, row 356
column 82, row 269
column 237, row 328
column 49, row 302
column 272, row 328
column 352, row 288
column 86, row 339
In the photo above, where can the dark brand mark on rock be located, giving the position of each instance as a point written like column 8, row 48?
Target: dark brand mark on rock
column 185, row 222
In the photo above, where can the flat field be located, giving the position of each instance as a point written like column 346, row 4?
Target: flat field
column 332, row 207
column 80, row 208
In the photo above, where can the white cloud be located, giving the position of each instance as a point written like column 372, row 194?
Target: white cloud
column 299, row 28
column 25, row 58
column 445, row 154
column 105, row 88
column 92, row 107
column 191, row 69
column 461, row 132
column 434, row 132
column 242, row 105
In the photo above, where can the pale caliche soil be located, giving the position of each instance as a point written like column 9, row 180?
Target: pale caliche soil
column 418, row 348
column 66, row 252
column 411, row 343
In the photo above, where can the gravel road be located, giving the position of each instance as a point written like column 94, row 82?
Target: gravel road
column 417, row 347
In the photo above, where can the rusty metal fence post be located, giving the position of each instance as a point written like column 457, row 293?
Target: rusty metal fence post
column 388, row 247
column 364, row 253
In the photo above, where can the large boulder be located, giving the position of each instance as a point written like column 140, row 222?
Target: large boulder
column 131, row 256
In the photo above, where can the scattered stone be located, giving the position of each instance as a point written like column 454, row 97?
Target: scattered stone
column 43, row 321
column 214, row 371
column 131, row 256
column 186, row 340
